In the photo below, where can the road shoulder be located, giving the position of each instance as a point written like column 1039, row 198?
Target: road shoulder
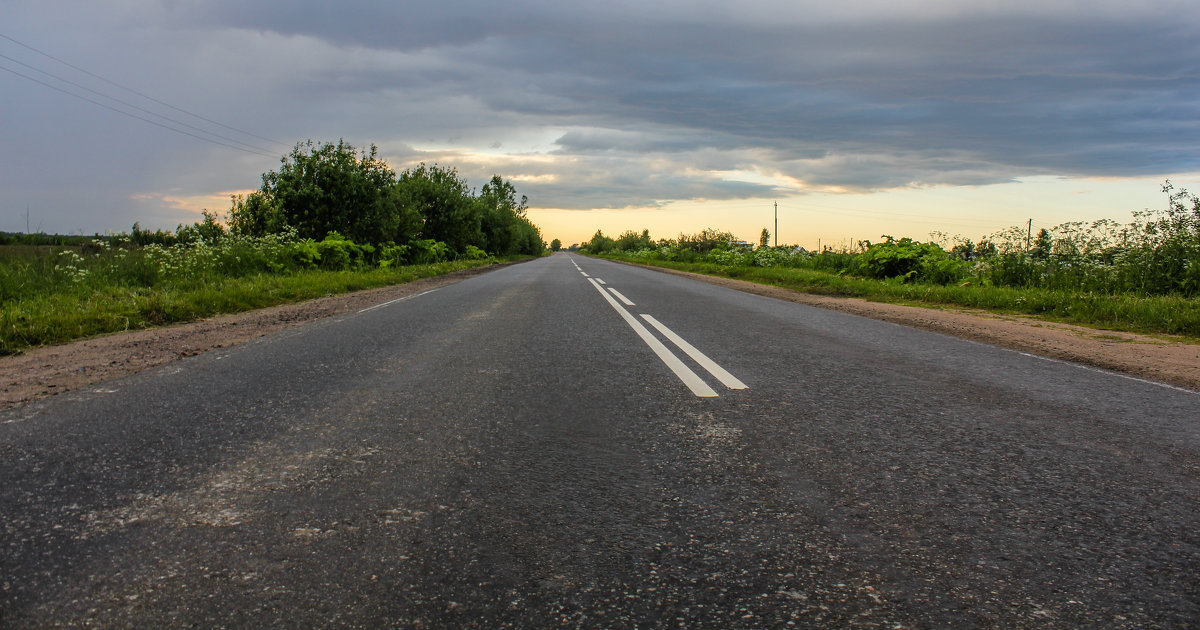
column 50, row 370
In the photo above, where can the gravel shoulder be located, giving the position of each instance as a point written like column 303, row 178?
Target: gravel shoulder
column 47, row 371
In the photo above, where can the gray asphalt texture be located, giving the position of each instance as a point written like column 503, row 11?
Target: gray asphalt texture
column 506, row 452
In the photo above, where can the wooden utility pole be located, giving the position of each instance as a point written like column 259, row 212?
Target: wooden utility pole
column 1029, row 235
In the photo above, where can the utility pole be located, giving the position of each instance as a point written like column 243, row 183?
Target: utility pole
column 776, row 224
column 1029, row 235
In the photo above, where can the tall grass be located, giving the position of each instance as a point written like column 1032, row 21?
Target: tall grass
column 1142, row 276
column 55, row 294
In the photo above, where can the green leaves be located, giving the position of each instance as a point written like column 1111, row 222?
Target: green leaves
column 910, row 260
column 324, row 188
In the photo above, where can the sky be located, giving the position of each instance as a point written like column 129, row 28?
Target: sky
column 858, row 119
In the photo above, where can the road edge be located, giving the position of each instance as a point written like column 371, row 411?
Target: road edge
column 47, row 371
column 1160, row 359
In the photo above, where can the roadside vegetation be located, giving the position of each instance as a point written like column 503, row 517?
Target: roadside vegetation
column 330, row 220
column 1141, row 276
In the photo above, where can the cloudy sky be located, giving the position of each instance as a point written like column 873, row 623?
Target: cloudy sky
column 858, row 118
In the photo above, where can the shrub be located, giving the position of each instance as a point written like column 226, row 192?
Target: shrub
column 474, row 253
column 910, row 260
column 423, row 251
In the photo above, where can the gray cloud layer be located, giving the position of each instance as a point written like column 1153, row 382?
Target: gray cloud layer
column 621, row 104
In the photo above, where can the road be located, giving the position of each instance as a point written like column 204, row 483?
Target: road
column 524, row 448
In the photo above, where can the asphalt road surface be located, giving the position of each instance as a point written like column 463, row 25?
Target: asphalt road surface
column 573, row 442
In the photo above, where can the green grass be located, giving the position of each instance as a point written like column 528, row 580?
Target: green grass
column 40, row 318
column 1154, row 314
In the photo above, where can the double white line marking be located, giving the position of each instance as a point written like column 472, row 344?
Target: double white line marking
column 685, row 374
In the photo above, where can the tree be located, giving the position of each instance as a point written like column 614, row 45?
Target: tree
column 256, row 214
column 555, row 245
column 440, row 196
column 631, row 241
column 1042, row 245
column 502, row 218
column 323, row 188
column 599, row 243
column 764, row 239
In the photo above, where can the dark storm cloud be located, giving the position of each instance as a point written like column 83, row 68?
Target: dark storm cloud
column 630, row 103
column 1073, row 94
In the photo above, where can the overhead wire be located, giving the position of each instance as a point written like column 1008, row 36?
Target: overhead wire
column 131, row 115
column 208, row 136
column 143, row 95
column 137, row 107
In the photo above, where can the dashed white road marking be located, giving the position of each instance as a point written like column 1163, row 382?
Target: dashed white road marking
column 685, row 374
column 721, row 373
column 621, row 297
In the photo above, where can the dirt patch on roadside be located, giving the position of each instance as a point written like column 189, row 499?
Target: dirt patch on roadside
column 1173, row 360
column 43, row 372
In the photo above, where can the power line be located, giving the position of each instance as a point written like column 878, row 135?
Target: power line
column 147, row 120
column 133, row 91
column 128, row 104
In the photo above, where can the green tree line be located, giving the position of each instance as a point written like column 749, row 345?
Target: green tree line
column 324, row 188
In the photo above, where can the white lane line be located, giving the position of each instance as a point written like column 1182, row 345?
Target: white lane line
column 685, row 374
column 1109, row 372
column 601, row 281
column 585, row 274
column 621, row 297
column 407, row 297
column 1085, row 367
column 722, row 375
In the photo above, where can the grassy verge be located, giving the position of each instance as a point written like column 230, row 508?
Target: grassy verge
column 1153, row 315
column 57, row 317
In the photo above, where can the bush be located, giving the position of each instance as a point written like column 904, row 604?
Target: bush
column 474, row 253
column 890, row 259
column 426, row 251
column 337, row 253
